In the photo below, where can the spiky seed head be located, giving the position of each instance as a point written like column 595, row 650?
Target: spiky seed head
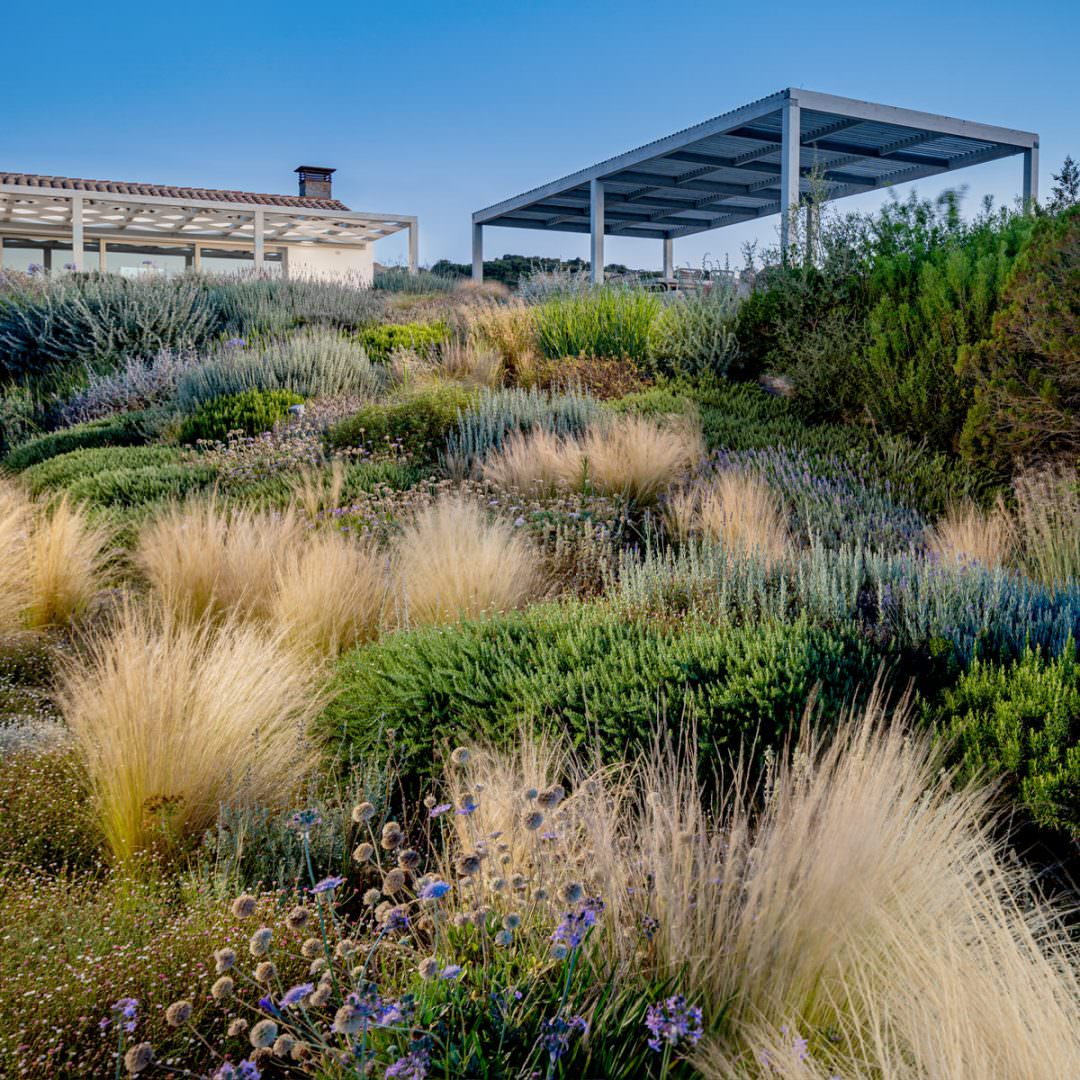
column 263, row 1034
column 259, row 945
column 311, row 948
column 460, row 755
column 550, row 797
column 533, row 820
column 572, row 892
column 511, row 921
column 243, row 907
column 394, row 882
column 371, row 897
column 363, row 853
column 364, row 812
column 178, row 1013
column 429, row 968
column 409, row 859
column 222, row 990
column 283, row 1045
column 265, row 971
column 237, row 1027
column 468, row 865
column 224, row 960
column 297, row 919
column 139, row 1058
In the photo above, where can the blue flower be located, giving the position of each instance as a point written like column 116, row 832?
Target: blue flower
column 436, row 811
column 672, row 1021
column 469, row 805
column 305, row 820
column 295, row 995
column 451, row 971
column 327, row 884
column 433, row 890
column 575, row 925
column 412, row 1066
column 557, row 1032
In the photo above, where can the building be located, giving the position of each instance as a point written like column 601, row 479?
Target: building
column 786, row 152
column 133, row 229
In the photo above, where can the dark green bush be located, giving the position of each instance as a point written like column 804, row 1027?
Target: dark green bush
column 602, row 678
column 252, row 412
column 127, row 429
column 416, row 425
column 1022, row 721
column 65, row 469
column 1027, row 372
column 382, row 339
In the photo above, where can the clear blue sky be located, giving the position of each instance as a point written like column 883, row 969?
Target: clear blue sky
column 438, row 109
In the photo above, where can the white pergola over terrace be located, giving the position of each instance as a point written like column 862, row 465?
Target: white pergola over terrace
column 762, row 159
column 82, row 213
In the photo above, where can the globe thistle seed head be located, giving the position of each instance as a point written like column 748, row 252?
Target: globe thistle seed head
column 394, row 881
column 518, row 882
column 259, row 945
column 371, row 897
column 224, row 960
column 237, row 1027
column 550, row 797
column 364, row 812
column 139, row 1058
column 320, row 996
column 381, row 910
column 429, row 968
column 311, row 948
column 559, row 951
column 345, row 948
column 430, row 801
column 531, row 793
column 504, row 938
column 178, row 1013
column 283, row 1045
column 392, row 836
column 460, row 919
column 540, row 895
column 222, row 990
column 349, row 1020
column 532, row 820
column 409, row 859
column 318, row 966
column 468, row 865
column 263, row 1034
column 363, row 853
column 572, row 892
column 265, row 971
column 497, row 884
column 297, row 919
column 511, row 921
column 460, row 756
column 243, row 907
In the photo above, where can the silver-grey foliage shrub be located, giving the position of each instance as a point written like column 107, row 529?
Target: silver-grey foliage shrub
column 694, row 333
column 137, row 384
column 499, row 413
column 312, row 363
column 250, row 303
column 903, row 600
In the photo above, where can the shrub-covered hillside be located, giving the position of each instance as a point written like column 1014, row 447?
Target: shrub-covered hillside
column 438, row 680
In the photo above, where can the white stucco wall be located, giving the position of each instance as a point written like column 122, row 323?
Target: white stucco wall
column 315, row 260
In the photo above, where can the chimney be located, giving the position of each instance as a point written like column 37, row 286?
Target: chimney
column 315, row 181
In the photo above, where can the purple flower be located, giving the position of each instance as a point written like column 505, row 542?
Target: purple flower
column 235, row 343
column 557, row 1032
column 295, row 995
column 576, row 924
column 305, row 820
column 469, row 805
column 246, row 1070
column 672, row 1021
column 433, row 890
column 124, row 1010
column 266, row 1003
column 327, row 884
column 451, row 971
column 437, row 811
column 412, row 1066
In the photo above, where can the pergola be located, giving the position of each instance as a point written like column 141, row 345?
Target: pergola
column 85, row 211
column 758, row 160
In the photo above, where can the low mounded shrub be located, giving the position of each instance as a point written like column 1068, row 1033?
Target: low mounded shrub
column 251, row 412
column 417, row 424
column 66, row 468
column 1021, row 722
column 128, row 429
column 694, row 334
column 603, row 678
column 381, row 340
column 132, row 488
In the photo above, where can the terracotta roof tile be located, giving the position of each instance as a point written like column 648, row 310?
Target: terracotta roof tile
column 117, row 187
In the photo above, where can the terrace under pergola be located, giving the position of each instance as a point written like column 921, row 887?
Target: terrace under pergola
column 794, row 148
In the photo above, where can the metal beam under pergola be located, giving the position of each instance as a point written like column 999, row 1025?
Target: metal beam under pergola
column 759, row 160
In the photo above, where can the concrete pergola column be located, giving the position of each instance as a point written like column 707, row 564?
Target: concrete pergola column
column 477, row 252
column 196, row 261
column 414, row 246
column 669, row 259
column 77, row 231
column 103, row 255
column 790, row 135
column 596, row 230
column 259, row 225
column 1031, row 175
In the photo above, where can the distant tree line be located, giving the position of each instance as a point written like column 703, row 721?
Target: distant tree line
column 510, row 269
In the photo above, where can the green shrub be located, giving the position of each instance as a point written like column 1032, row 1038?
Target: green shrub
column 312, row 363
column 127, row 429
column 694, row 334
column 130, row 488
column 1027, row 390
column 65, row 469
column 416, row 425
column 602, row 678
column 254, row 305
column 252, row 412
column 1022, row 722
column 381, row 340
column 602, row 322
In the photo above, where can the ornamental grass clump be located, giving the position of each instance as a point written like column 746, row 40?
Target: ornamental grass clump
column 967, row 534
column 174, row 717
column 452, row 563
column 205, row 559
column 329, row 594
column 15, row 519
column 1048, row 518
